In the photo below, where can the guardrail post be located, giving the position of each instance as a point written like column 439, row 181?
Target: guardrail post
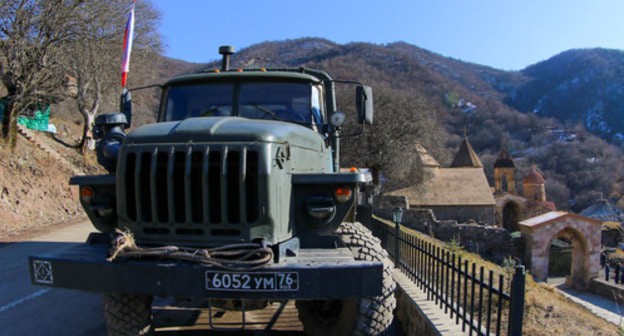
column 397, row 232
column 516, row 302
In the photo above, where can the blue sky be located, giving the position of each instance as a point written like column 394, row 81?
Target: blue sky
column 504, row 34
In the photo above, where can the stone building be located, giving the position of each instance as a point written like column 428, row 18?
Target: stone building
column 459, row 192
column 534, row 186
column 511, row 208
column 581, row 232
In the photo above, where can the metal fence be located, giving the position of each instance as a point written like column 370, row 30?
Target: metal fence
column 470, row 294
column 611, row 272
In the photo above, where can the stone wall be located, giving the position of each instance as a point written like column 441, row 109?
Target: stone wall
column 607, row 290
column 485, row 214
column 384, row 205
column 482, row 214
column 418, row 315
column 492, row 243
column 413, row 320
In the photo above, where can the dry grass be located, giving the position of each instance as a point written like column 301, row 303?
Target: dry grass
column 547, row 312
column 608, row 226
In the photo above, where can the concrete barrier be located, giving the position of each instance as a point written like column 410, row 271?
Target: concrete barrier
column 419, row 316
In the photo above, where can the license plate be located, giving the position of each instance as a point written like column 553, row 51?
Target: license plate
column 256, row 281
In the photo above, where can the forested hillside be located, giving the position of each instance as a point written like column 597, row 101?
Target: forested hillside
column 422, row 97
column 584, row 86
column 579, row 87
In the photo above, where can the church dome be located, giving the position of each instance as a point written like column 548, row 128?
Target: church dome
column 534, row 177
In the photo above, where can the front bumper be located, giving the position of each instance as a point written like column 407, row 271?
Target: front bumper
column 323, row 273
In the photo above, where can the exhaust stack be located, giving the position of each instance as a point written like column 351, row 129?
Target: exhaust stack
column 226, row 51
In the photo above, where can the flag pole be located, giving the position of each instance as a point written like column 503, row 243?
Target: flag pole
column 125, row 104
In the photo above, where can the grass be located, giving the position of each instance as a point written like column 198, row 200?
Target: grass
column 547, row 312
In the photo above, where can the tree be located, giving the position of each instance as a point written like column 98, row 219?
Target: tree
column 401, row 121
column 93, row 56
column 31, row 35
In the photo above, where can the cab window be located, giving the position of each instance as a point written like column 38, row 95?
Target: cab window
column 285, row 101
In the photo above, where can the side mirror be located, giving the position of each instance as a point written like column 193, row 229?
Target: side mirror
column 364, row 104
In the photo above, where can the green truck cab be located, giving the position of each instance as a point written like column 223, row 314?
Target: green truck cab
column 235, row 195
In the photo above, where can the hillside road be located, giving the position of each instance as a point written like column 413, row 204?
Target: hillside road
column 31, row 310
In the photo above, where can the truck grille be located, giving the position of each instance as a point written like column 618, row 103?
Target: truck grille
column 193, row 191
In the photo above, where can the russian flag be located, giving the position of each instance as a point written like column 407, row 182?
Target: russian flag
column 128, row 36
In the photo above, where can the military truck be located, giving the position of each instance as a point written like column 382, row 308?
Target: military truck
column 235, row 196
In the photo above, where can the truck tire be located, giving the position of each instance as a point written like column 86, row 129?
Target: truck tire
column 366, row 316
column 128, row 314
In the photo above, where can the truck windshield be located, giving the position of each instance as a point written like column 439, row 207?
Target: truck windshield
column 293, row 102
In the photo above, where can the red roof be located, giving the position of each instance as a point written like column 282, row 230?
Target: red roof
column 545, row 205
column 534, row 177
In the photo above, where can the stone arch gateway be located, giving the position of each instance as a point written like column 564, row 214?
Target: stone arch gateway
column 510, row 210
column 583, row 232
column 510, row 216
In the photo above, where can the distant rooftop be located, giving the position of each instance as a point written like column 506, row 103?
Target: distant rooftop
column 450, row 187
column 534, row 177
column 466, row 156
column 425, row 158
column 504, row 160
column 554, row 216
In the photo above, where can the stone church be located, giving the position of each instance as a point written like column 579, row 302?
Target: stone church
column 462, row 193
column 459, row 192
column 511, row 208
column 570, row 243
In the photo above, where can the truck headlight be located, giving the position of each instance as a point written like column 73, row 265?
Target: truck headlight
column 321, row 208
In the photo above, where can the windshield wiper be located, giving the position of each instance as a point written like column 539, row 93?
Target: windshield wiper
column 267, row 111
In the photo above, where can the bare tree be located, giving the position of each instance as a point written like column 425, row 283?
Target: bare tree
column 31, row 34
column 388, row 146
column 93, row 57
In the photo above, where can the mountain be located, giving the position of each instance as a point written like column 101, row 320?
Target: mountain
column 494, row 108
column 578, row 86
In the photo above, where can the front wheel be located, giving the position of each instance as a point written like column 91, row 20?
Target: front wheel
column 358, row 316
column 128, row 314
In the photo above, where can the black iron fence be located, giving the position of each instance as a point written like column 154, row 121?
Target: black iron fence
column 613, row 273
column 484, row 303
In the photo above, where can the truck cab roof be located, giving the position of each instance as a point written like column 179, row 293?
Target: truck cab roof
column 295, row 75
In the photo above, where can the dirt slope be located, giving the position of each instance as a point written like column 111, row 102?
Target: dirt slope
column 34, row 189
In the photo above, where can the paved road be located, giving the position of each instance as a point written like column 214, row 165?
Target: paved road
column 29, row 310
column 608, row 309
column 37, row 311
